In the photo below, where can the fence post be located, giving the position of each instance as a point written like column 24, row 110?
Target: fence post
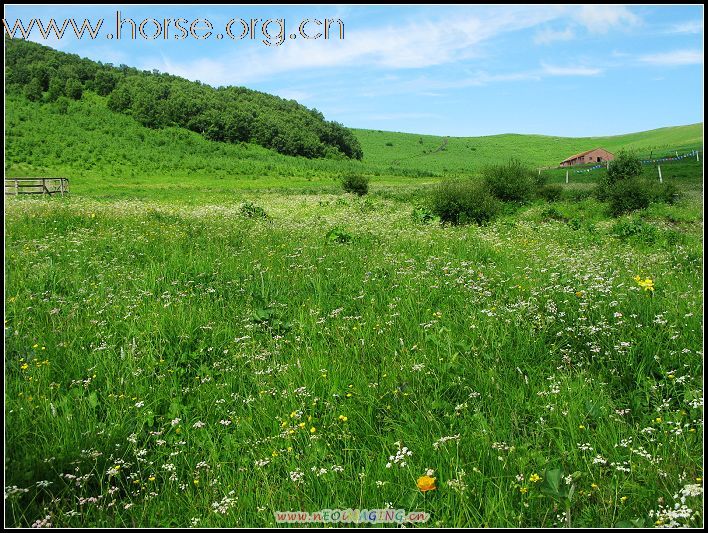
column 17, row 187
column 566, row 176
column 660, row 179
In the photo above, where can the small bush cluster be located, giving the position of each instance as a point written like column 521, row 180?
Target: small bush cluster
column 626, row 191
column 511, row 182
column 636, row 230
column 666, row 193
column 356, row 183
column 251, row 210
column 628, row 195
column 422, row 215
column 338, row 235
column 464, row 201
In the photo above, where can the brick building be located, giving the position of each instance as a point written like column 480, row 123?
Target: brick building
column 598, row 155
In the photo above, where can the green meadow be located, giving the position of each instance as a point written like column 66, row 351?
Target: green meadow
column 205, row 333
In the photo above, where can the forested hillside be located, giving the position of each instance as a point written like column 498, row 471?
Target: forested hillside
column 157, row 100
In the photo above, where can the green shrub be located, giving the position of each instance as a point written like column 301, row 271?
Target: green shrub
column 463, row 201
column 628, row 195
column 356, row 183
column 550, row 193
column 666, row 193
column 511, row 182
column 422, row 215
column 552, row 213
column 251, row 210
column 338, row 235
column 626, row 166
column 635, row 229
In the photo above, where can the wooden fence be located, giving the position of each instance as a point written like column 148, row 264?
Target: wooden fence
column 14, row 186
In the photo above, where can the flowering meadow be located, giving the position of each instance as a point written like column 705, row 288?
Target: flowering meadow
column 205, row 365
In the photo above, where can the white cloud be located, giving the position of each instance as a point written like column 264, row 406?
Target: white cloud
column 415, row 44
column 690, row 27
column 603, row 18
column 553, row 70
column 674, row 58
column 549, row 35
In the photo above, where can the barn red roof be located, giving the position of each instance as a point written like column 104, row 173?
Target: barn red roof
column 582, row 153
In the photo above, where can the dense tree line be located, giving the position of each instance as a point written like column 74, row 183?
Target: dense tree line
column 156, row 100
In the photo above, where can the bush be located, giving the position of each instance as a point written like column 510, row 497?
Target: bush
column 666, row 193
column 462, row 202
column 636, row 230
column 338, row 235
column 422, row 215
column 251, row 210
column 550, row 193
column 626, row 166
column 511, row 182
column 628, row 195
column 356, row 184
column 552, row 213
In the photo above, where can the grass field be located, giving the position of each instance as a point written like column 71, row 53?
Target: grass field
column 174, row 359
column 108, row 155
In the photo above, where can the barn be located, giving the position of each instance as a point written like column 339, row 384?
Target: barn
column 598, row 155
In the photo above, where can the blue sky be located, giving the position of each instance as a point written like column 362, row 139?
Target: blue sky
column 442, row 70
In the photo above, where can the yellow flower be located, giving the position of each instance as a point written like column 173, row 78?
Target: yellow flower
column 523, row 490
column 426, row 483
column 535, row 478
column 343, row 418
column 313, row 429
column 646, row 284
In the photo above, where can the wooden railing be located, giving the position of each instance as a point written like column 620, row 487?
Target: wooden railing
column 14, row 186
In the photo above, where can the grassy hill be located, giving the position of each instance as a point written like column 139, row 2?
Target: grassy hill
column 443, row 154
column 108, row 154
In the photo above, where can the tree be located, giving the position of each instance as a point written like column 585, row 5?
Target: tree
column 33, row 90
column 74, row 89
column 625, row 166
column 104, row 82
column 56, row 89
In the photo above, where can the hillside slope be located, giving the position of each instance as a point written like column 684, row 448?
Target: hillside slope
column 407, row 150
column 158, row 100
column 110, row 154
